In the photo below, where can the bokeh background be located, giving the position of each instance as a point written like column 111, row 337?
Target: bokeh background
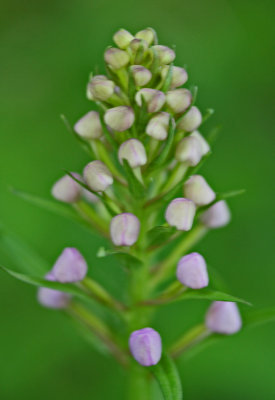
column 47, row 50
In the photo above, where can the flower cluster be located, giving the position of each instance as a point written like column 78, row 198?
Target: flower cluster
column 142, row 191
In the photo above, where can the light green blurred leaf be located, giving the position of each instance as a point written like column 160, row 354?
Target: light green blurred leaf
column 159, row 234
column 209, row 294
column 167, row 376
column 135, row 185
column 127, row 259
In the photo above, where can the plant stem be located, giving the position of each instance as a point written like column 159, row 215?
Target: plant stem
column 189, row 339
column 89, row 214
column 139, row 383
column 182, row 247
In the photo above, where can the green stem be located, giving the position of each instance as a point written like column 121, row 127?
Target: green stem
column 90, row 215
column 165, row 268
column 189, row 339
column 139, row 383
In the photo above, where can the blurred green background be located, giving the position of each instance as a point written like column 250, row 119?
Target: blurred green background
column 47, row 50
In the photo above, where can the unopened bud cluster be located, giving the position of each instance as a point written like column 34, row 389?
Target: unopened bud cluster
column 143, row 133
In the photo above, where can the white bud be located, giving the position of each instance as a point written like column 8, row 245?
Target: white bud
column 191, row 120
column 179, row 76
column 146, row 34
column 223, row 317
column 192, row 271
column 66, row 189
column 180, row 213
column 141, row 75
column 179, row 100
column 154, row 99
column 89, row 126
column 197, row 189
column 122, row 38
column 100, row 88
column 70, row 266
column 205, row 148
column 217, row 215
column 158, row 126
column 134, row 152
column 119, row 118
column 116, row 58
column 124, row 229
column 189, row 151
column 97, row 176
column 165, row 54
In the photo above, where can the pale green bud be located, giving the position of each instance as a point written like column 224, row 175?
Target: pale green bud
column 158, row 126
column 134, row 152
column 136, row 44
column 100, row 88
column 141, row 75
column 191, row 120
column 154, row 99
column 97, row 176
column 119, row 118
column 147, row 34
column 179, row 76
column 189, row 151
column 165, row 54
column 178, row 100
column 122, row 38
column 205, row 148
column 197, row 189
column 116, row 58
column 89, row 126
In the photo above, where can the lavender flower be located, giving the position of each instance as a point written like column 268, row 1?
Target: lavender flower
column 119, row 118
column 66, row 189
column 70, row 266
column 97, row 176
column 145, row 346
column 223, row 317
column 141, row 75
column 192, row 271
column 180, row 213
column 124, row 229
column 52, row 298
column 134, row 152
column 204, row 146
column 217, row 215
column 197, row 189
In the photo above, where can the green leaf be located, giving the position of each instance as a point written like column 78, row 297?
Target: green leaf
column 161, row 158
column 23, row 256
column 135, row 185
column 159, row 234
column 131, row 86
column 173, row 376
column 63, row 287
column 49, row 205
column 168, row 79
column 126, row 258
column 219, row 197
column 259, row 317
column 208, row 114
column 209, row 294
column 162, row 379
column 84, row 144
column 106, row 132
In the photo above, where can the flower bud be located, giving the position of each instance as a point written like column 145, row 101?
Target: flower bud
column 147, row 34
column 70, row 266
column 197, row 189
column 145, row 346
column 134, row 152
column 66, row 189
column 191, row 120
column 205, row 148
column 223, row 317
column 89, row 126
column 179, row 100
column 158, row 126
column 217, row 215
column 137, row 44
column 192, row 271
column 180, row 213
column 122, row 38
column 52, row 298
column 116, row 58
column 124, row 229
column 100, row 88
column 165, row 54
column 179, row 76
column 141, row 75
column 119, row 118
column 154, row 99
column 97, row 176
column 189, row 151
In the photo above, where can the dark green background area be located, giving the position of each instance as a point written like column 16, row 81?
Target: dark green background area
column 47, row 50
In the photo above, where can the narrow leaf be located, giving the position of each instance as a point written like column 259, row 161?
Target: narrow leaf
column 127, row 259
column 209, row 294
column 173, row 376
column 131, row 86
column 163, row 381
column 106, row 132
column 159, row 234
column 135, row 185
column 168, row 79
